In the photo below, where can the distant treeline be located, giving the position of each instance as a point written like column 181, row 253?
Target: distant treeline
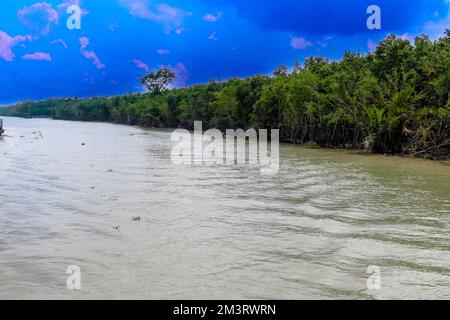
column 394, row 100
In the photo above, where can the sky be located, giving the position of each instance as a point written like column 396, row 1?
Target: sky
column 44, row 53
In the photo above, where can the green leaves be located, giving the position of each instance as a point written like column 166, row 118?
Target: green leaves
column 393, row 100
column 375, row 116
column 156, row 82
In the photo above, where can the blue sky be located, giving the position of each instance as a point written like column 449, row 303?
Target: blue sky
column 120, row 40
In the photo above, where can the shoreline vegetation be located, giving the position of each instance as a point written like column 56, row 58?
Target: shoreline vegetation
column 393, row 101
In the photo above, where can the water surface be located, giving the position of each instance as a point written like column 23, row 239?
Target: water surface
column 213, row 232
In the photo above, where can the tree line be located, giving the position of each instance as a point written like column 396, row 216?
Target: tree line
column 394, row 100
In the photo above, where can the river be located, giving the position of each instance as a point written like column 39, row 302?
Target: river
column 210, row 232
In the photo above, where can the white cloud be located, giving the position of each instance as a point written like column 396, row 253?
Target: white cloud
column 435, row 29
column 141, row 65
column 181, row 72
column 163, row 52
column 212, row 18
column 213, row 36
column 7, row 43
column 67, row 3
column 39, row 17
column 38, row 56
column 62, row 42
column 171, row 17
column 89, row 54
column 299, row 43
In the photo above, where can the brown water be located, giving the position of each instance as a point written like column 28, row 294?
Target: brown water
column 213, row 232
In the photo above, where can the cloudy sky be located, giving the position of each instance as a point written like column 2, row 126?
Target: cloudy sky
column 120, row 40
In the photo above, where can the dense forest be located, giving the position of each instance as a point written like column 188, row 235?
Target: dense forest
column 394, row 100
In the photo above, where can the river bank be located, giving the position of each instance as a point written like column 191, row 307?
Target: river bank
column 384, row 101
column 424, row 154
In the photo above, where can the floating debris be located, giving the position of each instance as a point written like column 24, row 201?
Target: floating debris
column 136, row 218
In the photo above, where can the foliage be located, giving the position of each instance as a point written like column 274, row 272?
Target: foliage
column 156, row 82
column 394, row 100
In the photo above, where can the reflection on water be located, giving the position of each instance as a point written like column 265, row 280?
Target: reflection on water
column 213, row 232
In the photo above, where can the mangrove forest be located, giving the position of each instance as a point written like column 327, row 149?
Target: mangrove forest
column 394, row 100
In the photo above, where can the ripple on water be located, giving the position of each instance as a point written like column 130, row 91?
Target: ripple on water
column 311, row 231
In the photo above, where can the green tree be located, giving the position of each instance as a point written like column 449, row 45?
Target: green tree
column 156, row 82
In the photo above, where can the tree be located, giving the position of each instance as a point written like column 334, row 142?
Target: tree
column 281, row 71
column 297, row 68
column 156, row 82
column 394, row 100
